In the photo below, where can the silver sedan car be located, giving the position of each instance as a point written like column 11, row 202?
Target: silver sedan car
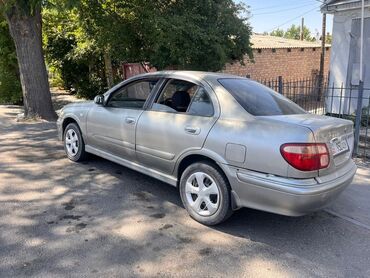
column 226, row 142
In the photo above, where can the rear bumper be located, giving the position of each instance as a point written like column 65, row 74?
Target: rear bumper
column 292, row 197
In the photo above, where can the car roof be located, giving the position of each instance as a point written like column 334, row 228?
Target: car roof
column 207, row 76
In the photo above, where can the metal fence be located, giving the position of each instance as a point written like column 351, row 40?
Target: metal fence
column 330, row 100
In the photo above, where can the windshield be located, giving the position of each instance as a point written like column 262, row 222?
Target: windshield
column 259, row 100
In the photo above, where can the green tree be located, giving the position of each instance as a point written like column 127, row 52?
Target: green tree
column 71, row 53
column 10, row 88
column 278, row 33
column 92, row 34
column 197, row 35
column 183, row 34
column 328, row 38
column 294, row 32
column 24, row 20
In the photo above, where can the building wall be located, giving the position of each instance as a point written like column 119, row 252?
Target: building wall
column 339, row 62
column 342, row 27
column 293, row 63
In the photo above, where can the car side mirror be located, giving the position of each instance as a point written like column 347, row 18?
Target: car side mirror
column 99, row 99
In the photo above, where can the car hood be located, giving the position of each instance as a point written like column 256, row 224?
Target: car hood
column 79, row 104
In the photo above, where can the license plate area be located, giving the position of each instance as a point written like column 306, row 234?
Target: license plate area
column 339, row 146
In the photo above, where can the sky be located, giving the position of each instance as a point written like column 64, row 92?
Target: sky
column 267, row 15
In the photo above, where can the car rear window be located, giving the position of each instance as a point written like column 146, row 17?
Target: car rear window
column 258, row 99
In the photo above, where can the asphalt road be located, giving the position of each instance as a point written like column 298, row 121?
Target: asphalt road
column 98, row 219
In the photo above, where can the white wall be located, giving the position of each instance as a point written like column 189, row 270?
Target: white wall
column 339, row 61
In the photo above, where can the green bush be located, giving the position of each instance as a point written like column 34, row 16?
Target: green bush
column 80, row 73
column 10, row 85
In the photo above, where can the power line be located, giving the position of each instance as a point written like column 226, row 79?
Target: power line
column 275, row 6
column 283, row 10
column 290, row 20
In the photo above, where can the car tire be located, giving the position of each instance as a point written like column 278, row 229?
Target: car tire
column 74, row 144
column 197, row 198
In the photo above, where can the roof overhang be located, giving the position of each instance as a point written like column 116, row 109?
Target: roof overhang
column 333, row 6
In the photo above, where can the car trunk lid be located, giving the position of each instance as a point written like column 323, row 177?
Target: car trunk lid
column 336, row 133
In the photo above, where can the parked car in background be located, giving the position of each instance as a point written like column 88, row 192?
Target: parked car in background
column 227, row 142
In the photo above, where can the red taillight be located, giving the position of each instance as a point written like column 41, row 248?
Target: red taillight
column 306, row 156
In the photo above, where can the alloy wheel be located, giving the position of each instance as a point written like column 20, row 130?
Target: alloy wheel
column 71, row 142
column 202, row 194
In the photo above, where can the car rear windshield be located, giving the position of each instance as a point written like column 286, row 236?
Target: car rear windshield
column 258, row 99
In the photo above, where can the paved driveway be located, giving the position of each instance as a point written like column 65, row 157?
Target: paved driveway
column 98, row 219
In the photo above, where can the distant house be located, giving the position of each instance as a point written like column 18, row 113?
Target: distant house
column 276, row 56
column 345, row 53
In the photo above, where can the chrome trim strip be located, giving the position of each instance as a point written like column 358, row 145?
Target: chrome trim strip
column 296, row 186
column 114, row 141
column 154, row 152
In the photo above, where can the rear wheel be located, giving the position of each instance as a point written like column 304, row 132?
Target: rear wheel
column 74, row 145
column 205, row 193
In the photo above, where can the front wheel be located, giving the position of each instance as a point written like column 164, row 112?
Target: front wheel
column 205, row 193
column 74, row 145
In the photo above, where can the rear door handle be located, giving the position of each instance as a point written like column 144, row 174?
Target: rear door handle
column 192, row 130
column 130, row 120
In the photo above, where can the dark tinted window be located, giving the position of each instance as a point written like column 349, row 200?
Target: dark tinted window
column 180, row 96
column 259, row 100
column 201, row 104
column 176, row 96
column 132, row 95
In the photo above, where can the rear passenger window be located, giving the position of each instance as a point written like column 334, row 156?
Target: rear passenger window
column 201, row 104
column 179, row 96
column 176, row 96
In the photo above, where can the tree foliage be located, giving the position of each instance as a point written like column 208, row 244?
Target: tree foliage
column 328, row 38
column 294, row 32
column 277, row 33
column 81, row 37
column 183, row 34
column 198, row 35
column 10, row 87
column 71, row 53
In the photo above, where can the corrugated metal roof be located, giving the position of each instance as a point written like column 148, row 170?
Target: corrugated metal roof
column 269, row 42
column 332, row 6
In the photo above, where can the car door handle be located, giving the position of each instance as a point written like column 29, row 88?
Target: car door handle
column 130, row 120
column 192, row 130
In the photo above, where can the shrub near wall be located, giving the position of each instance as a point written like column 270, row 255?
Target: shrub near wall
column 10, row 85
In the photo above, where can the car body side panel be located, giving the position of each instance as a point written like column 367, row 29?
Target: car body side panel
column 113, row 130
column 161, row 137
column 262, row 141
column 78, row 112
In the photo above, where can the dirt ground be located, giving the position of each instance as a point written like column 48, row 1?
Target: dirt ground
column 99, row 219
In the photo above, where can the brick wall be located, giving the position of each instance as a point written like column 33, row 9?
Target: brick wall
column 293, row 63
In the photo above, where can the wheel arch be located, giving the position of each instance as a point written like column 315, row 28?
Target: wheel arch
column 68, row 120
column 190, row 158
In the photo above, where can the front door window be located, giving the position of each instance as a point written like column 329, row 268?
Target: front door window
column 133, row 95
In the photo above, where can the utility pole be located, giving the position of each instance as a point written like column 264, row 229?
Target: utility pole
column 322, row 57
column 302, row 28
column 361, row 83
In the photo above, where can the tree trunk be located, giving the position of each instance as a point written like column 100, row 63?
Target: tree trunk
column 26, row 32
column 108, row 69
